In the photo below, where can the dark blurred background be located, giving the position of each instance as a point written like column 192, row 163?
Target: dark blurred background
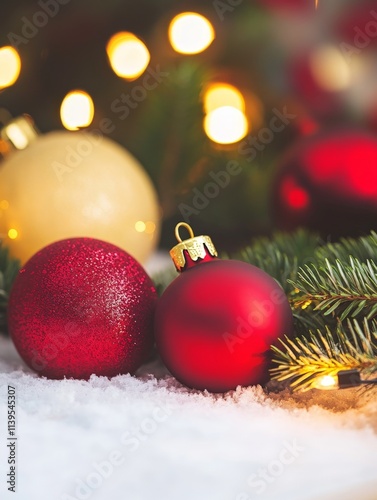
column 313, row 70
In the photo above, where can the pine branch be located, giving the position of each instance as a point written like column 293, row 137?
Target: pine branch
column 363, row 249
column 304, row 362
column 8, row 271
column 347, row 289
column 167, row 139
column 163, row 279
column 282, row 255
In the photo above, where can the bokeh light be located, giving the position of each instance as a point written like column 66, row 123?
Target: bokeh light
column 12, row 234
column 296, row 197
column 77, row 110
column 128, row 55
column 10, row 66
column 148, row 227
column 226, row 125
column 217, row 95
column 140, row 226
column 190, row 33
column 330, row 69
column 327, row 382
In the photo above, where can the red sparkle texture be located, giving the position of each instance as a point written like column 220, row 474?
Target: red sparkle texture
column 80, row 307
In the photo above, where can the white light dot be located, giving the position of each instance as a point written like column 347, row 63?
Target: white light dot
column 77, row 110
column 128, row 55
column 226, row 125
column 10, row 66
column 190, row 33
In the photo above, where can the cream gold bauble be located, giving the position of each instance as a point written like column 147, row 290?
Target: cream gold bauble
column 71, row 184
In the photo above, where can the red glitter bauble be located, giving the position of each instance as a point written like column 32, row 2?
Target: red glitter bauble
column 216, row 322
column 81, row 307
column 328, row 183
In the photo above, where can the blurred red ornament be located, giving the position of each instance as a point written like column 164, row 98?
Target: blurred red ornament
column 317, row 99
column 216, row 322
column 80, row 307
column 289, row 5
column 328, row 183
column 357, row 27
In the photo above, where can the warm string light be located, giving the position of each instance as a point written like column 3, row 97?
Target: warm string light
column 225, row 121
column 190, row 33
column 226, row 125
column 12, row 234
column 77, row 110
column 217, row 95
column 148, row 227
column 128, row 55
column 10, row 66
column 343, row 379
column 326, row 383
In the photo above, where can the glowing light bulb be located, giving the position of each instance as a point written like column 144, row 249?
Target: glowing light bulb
column 12, row 234
column 226, row 125
column 77, row 110
column 128, row 55
column 140, row 226
column 148, row 227
column 190, row 33
column 330, row 69
column 218, row 95
column 327, row 382
column 10, row 66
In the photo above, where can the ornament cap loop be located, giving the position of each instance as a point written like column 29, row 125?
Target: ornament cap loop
column 17, row 134
column 187, row 226
column 196, row 247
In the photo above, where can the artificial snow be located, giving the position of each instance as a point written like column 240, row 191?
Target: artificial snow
column 150, row 438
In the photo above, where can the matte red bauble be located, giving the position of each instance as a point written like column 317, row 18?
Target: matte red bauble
column 80, row 307
column 329, row 184
column 216, row 322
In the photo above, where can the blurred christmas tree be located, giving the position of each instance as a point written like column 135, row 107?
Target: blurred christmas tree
column 287, row 73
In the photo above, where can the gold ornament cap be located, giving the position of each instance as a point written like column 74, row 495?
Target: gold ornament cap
column 197, row 247
column 17, row 134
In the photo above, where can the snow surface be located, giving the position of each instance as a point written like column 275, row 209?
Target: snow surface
column 149, row 438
